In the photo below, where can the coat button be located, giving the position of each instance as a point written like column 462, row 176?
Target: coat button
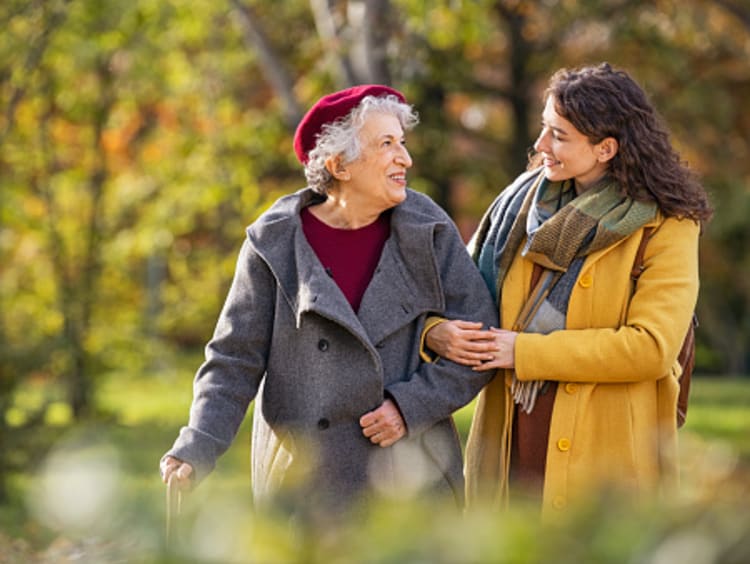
column 323, row 345
column 559, row 502
column 563, row 444
column 571, row 388
column 323, row 424
column 586, row 280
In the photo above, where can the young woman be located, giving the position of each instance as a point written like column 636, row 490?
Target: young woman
column 587, row 393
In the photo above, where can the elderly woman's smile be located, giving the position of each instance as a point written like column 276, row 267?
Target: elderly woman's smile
column 380, row 172
column 373, row 182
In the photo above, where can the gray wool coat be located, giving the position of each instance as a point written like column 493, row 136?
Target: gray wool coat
column 288, row 338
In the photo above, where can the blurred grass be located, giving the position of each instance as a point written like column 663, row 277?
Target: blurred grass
column 719, row 409
column 145, row 412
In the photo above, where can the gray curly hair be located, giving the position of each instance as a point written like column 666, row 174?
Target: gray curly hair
column 341, row 137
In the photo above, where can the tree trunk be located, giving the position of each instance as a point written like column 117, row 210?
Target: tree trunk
column 518, row 93
column 378, row 22
column 76, row 275
column 356, row 39
column 6, row 387
column 329, row 26
column 272, row 65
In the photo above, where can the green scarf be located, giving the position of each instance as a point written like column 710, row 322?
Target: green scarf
column 561, row 231
column 560, row 228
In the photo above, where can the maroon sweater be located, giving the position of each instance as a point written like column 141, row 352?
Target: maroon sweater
column 349, row 256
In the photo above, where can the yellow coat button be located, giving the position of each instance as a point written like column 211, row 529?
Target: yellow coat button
column 571, row 388
column 563, row 444
column 559, row 502
column 586, row 280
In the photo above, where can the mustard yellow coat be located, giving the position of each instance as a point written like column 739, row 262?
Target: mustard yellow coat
column 614, row 417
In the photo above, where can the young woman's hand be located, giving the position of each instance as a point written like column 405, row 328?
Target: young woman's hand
column 504, row 350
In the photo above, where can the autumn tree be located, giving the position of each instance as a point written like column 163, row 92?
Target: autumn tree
column 139, row 138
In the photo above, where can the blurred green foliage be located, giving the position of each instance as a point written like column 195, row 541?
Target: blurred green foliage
column 111, row 468
column 139, row 137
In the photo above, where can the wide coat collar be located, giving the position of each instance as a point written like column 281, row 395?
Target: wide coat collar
column 406, row 282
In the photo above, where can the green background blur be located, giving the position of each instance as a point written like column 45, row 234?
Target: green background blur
column 138, row 138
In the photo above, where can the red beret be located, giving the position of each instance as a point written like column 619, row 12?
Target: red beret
column 331, row 107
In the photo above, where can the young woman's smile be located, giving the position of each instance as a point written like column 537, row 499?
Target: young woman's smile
column 567, row 153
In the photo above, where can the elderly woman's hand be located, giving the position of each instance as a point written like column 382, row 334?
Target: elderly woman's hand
column 384, row 425
column 182, row 470
column 463, row 342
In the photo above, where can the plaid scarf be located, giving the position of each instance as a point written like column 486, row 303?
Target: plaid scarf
column 557, row 229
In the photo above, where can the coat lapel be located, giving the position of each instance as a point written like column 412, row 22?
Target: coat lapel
column 278, row 237
column 405, row 284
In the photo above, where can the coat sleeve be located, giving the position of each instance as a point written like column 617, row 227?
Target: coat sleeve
column 643, row 347
column 236, row 356
column 437, row 389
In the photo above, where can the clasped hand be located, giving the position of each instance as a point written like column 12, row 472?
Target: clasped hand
column 465, row 342
column 384, row 425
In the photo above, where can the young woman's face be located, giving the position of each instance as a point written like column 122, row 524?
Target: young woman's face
column 567, row 153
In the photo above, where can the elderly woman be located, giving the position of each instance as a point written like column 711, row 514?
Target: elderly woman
column 323, row 320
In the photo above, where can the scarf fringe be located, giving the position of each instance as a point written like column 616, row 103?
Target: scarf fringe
column 525, row 393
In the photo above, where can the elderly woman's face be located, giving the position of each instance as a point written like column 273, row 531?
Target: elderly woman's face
column 379, row 174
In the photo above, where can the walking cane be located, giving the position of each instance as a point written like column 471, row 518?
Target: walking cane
column 174, row 503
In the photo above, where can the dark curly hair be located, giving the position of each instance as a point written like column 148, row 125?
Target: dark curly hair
column 601, row 102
